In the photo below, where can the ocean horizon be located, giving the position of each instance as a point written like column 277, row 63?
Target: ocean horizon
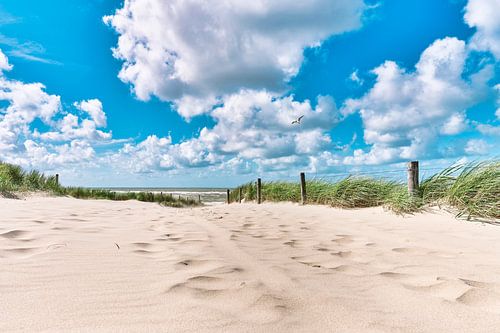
column 206, row 194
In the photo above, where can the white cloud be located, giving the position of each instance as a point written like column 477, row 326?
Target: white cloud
column 41, row 155
column 477, row 147
column 455, row 124
column 26, row 102
column 4, row 63
column 497, row 112
column 483, row 15
column 250, row 126
column 192, row 52
column 404, row 112
column 94, row 108
column 256, row 124
column 354, row 77
column 22, row 144
column 487, row 129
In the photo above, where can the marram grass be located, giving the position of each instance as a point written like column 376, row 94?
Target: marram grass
column 14, row 179
column 473, row 190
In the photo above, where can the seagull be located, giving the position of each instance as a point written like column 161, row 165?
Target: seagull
column 297, row 121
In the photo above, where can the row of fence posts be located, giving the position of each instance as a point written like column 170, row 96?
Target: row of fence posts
column 412, row 173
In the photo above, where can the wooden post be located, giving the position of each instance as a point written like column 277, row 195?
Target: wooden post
column 57, row 179
column 303, row 195
column 199, row 198
column 259, row 190
column 228, row 199
column 413, row 177
column 240, row 194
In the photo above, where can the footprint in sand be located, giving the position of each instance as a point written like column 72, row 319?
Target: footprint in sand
column 349, row 270
column 268, row 308
column 195, row 263
column 343, row 239
column 483, row 299
column 410, row 250
column 342, row 254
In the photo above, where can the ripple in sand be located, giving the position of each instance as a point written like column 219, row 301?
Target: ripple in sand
column 142, row 245
column 14, row 234
column 22, row 250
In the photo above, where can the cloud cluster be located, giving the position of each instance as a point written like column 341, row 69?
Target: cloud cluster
column 405, row 112
column 483, row 15
column 192, row 52
column 251, row 125
column 35, row 130
column 234, row 60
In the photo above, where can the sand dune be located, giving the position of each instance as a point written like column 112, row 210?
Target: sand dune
column 74, row 265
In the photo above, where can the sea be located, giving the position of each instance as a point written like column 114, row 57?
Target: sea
column 206, row 194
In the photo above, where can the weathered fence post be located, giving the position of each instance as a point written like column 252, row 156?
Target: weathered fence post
column 259, row 189
column 57, row 179
column 303, row 194
column 413, row 177
column 228, row 199
column 240, row 194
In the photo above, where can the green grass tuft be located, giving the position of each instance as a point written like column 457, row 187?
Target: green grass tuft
column 14, row 179
column 473, row 190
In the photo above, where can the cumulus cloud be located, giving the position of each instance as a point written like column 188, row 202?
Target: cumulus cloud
column 455, row 124
column 4, row 63
column 192, row 52
column 477, row 147
column 251, row 125
column 65, row 138
column 94, row 108
column 404, row 112
column 488, row 129
column 483, row 15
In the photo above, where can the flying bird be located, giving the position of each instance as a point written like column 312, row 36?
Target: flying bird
column 297, row 121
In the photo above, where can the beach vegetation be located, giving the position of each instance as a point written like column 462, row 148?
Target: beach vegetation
column 471, row 190
column 13, row 179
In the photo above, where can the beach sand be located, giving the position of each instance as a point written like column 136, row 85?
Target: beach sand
column 100, row 266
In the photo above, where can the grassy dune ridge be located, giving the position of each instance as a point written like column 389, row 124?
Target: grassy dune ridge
column 472, row 189
column 14, row 179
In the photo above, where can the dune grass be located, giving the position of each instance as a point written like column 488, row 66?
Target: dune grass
column 472, row 189
column 14, row 179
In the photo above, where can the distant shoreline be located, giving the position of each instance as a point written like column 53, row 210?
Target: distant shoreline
column 207, row 194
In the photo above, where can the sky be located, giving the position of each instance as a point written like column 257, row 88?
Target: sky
column 203, row 93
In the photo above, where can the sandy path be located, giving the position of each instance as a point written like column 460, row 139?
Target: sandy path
column 273, row 267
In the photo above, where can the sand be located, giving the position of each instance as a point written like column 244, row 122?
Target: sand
column 98, row 266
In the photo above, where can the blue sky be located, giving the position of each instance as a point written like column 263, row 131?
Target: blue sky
column 196, row 94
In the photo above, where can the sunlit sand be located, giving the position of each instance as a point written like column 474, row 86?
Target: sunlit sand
column 78, row 265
